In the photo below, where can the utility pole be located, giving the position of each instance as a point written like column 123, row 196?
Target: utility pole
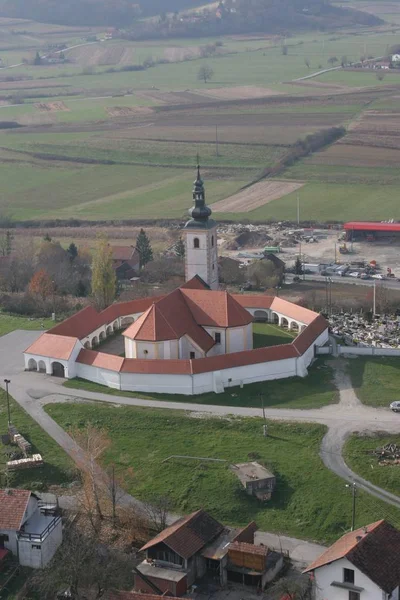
column 353, row 487
column 265, row 427
column 216, row 140
column 374, row 300
column 298, row 208
column 335, row 253
column 7, row 381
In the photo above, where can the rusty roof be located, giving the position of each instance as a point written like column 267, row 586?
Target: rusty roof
column 124, row 252
column 188, row 535
column 216, row 309
column 374, row 550
column 248, row 548
column 53, row 346
column 80, row 324
column 196, row 283
column 288, row 309
column 13, row 504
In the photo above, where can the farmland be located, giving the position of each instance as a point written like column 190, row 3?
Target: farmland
column 100, row 142
column 290, row 450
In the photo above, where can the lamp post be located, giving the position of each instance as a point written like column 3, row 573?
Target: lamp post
column 7, row 381
column 353, row 487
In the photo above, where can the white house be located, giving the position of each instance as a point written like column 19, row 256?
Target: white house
column 361, row 565
column 395, row 58
column 28, row 533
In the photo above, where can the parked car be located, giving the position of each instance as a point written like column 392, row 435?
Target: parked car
column 354, row 274
column 395, row 406
column 377, row 276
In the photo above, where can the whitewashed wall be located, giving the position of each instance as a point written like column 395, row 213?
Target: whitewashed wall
column 334, row 572
column 370, row 351
column 99, row 375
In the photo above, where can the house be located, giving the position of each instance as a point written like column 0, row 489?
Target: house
column 256, row 479
column 395, row 58
column 27, row 530
column 126, row 262
column 197, row 545
column 382, row 64
column 363, row 564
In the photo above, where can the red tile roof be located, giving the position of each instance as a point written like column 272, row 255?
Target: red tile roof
column 157, row 366
column 170, row 319
column 188, row 535
column 244, row 358
column 80, row 324
column 289, row 309
column 13, row 504
column 131, row 307
column 304, row 340
column 374, row 550
column 216, row 309
column 124, row 253
column 100, row 359
column 254, row 300
column 249, row 548
column 196, row 283
column 53, row 346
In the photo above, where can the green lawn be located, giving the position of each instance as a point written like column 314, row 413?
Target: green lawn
column 266, row 334
column 309, row 500
column 357, row 456
column 58, row 468
column 331, row 202
column 313, row 391
column 10, row 323
column 376, row 380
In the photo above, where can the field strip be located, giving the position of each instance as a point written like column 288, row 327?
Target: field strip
column 257, row 195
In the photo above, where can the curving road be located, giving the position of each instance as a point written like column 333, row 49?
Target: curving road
column 34, row 390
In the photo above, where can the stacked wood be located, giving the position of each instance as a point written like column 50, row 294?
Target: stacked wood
column 35, row 460
column 388, row 454
column 19, row 440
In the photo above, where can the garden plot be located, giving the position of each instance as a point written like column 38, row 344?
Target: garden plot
column 51, row 106
column 255, row 196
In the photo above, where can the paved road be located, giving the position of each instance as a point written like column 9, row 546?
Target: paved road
column 392, row 284
column 33, row 390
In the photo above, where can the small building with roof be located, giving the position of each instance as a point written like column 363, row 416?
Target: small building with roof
column 362, row 565
column 193, row 340
column 256, row 479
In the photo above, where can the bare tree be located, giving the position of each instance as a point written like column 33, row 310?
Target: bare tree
column 380, row 76
column 332, row 60
column 284, row 49
column 92, row 442
column 293, row 589
column 307, row 62
column 157, row 509
column 84, row 567
column 205, row 73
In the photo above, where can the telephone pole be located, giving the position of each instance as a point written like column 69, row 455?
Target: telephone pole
column 216, row 141
column 353, row 487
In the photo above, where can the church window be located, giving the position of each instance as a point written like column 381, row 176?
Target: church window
column 212, row 241
column 145, row 351
column 217, row 337
column 192, row 355
column 196, row 243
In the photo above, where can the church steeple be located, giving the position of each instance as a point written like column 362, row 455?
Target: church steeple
column 200, row 212
column 201, row 255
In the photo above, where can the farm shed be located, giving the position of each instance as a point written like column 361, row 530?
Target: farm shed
column 256, row 479
column 252, row 565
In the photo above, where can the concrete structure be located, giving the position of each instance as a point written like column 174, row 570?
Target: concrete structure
column 198, row 545
column 201, row 251
column 194, row 340
column 25, row 530
column 361, row 565
column 256, row 479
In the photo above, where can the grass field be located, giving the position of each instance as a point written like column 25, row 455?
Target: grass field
column 57, row 469
column 313, row 391
column 356, row 454
column 265, row 334
column 10, row 323
column 290, row 450
column 376, row 381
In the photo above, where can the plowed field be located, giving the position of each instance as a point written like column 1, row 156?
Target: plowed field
column 255, row 196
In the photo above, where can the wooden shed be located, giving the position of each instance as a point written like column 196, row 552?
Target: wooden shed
column 248, row 556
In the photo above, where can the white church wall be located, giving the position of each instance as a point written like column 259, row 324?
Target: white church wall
column 196, row 258
column 236, row 339
column 186, row 346
column 159, row 384
column 99, row 375
column 217, row 348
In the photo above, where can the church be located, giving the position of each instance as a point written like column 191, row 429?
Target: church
column 195, row 339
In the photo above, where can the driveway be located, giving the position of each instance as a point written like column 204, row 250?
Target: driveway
column 33, row 390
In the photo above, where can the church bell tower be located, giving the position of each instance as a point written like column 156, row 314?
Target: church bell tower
column 201, row 250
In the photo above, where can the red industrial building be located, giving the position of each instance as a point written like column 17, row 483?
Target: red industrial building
column 370, row 231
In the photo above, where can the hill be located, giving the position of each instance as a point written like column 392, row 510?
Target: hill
column 91, row 12
column 242, row 17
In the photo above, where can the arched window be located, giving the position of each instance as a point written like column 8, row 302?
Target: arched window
column 212, row 241
column 196, row 243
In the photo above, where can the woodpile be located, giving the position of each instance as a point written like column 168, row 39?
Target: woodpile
column 19, row 440
column 35, row 460
column 388, row 454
